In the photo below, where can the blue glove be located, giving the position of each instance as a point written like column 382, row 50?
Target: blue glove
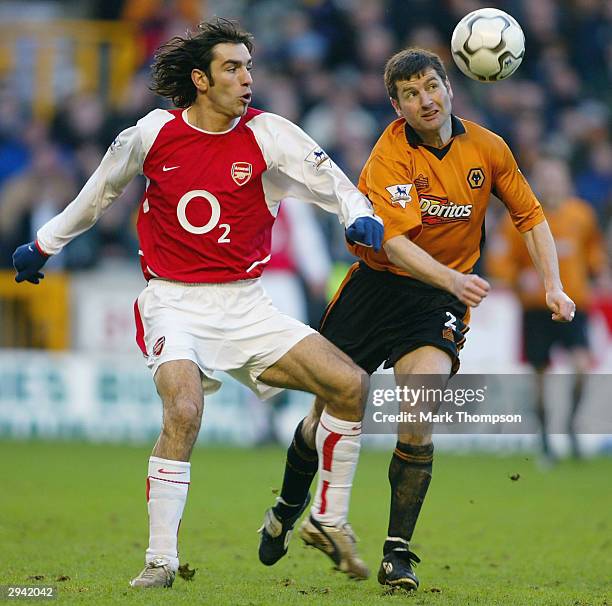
column 366, row 231
column 28, row 260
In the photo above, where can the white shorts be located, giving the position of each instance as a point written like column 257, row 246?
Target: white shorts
column 231, row 327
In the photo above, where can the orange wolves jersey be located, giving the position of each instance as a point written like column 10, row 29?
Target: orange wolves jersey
column 580, row 248
column 438, row 197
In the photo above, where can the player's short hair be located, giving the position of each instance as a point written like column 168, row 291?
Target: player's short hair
column 174, row 60
column 408, row 63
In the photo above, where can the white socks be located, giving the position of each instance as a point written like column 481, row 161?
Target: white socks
column 338, row 444
column 167, row 486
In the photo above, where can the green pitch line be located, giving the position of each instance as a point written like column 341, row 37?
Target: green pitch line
column 78, row 511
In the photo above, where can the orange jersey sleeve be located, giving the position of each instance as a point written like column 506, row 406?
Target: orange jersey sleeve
column 511, row 187
column 388, row 186
column 386, row 180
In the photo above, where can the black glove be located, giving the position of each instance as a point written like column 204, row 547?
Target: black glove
column 28, row 259
column 367, row 231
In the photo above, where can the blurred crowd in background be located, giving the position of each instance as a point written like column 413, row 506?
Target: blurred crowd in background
column 319, row 63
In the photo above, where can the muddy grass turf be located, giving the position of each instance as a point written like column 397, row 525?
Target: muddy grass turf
column 493, row 530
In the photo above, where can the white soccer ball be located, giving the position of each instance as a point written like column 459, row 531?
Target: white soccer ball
column 488, row 45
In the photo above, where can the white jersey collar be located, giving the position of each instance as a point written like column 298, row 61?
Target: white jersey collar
column 208, row 132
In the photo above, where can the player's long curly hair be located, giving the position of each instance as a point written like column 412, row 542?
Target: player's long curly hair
column 174, row 61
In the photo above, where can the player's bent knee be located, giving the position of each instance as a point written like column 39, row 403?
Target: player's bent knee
column 348, row 398
column 182, row 414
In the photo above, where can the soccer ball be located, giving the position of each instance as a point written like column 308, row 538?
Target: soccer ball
column 488, row 45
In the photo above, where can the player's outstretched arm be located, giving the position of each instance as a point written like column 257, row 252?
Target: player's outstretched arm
column 121, row 163
column 299, row 168
column 470, row 289
column 541, row 247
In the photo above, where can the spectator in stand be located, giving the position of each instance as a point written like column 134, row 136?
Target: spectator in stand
column 14, row 152
column 157, row 20
column 594, row 183
column 30, row 198
column 581, row 255
column 80, row 122
column 340, row 119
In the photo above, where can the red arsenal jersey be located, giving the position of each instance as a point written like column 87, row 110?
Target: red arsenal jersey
column 211, row 197
column 204, row 217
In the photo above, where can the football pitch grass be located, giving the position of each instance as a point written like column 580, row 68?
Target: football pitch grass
column 77, row 512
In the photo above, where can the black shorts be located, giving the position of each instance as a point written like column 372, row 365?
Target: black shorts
column 378, row 317
column 541, row 334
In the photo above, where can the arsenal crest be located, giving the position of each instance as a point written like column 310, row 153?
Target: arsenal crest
column 241, row 172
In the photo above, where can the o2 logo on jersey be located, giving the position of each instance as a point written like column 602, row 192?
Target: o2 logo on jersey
column 241, row 172
column 215, row 215
column 436, row 210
